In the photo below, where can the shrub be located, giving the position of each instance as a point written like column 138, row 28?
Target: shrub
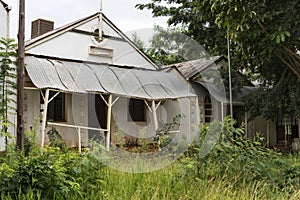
column 50, row 171
column 232, row 154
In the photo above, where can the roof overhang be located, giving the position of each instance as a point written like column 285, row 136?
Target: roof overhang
column 218, row 93
column 81, row 77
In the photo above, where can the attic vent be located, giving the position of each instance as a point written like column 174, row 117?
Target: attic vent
column 96, row 35
column 102, row 52
column 41, row 26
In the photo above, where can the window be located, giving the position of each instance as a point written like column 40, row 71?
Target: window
column 287, row 129
column 137, row 110
column 208, row 111
column 56, row 108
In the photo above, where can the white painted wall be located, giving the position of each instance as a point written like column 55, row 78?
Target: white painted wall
column 3, row 33
column 3, row 22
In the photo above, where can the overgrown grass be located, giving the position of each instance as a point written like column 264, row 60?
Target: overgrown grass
column 178, row 182
column 236, row 168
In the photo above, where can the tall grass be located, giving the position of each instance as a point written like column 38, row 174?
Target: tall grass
column 170, row 183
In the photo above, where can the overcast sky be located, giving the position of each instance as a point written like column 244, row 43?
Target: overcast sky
column 121, row 12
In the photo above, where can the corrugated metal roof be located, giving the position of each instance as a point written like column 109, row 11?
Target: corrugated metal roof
column 191, row 68
column 84, row 78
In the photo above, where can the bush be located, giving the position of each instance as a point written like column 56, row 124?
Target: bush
column 49, row 172
column 234, row 155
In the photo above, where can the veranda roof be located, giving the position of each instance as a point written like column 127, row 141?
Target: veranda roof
column 79, row 77
column 220, row 95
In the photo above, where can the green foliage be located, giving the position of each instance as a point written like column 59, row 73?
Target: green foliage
column 276, row 102
column 235, row 155
column 49, row 172
column 264, row 39
column 56, row 139
column 163, row 134
column 7, row 81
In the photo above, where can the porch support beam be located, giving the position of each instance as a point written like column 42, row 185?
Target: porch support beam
column 149, row 108
column 53, row 97
column 108, row 133
column 44, row 116
column 154, row 108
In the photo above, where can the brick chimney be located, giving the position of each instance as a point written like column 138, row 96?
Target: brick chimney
column 41, row 26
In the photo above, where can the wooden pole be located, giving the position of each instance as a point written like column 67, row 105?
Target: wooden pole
column 154, row 115
column 20, row 72
column 100, row 22
column 229, row 76
column 44, row 117
column 109, row 109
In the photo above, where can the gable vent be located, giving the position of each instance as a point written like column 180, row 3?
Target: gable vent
column 41, row 26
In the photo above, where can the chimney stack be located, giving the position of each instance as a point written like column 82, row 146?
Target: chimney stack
column 41, row 26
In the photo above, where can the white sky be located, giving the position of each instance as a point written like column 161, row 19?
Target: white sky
column 121, row 12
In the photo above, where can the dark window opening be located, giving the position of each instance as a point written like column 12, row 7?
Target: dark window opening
column 137, row 111
column 101, row 110
column 56, row 108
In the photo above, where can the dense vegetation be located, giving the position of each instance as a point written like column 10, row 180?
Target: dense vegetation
column 236, row 168
column 265, row 44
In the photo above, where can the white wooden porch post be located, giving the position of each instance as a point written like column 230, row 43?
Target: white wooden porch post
column 44, row 117
column 79, row 139
column 154, row 115
column 109, row 105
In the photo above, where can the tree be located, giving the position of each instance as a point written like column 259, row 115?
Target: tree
column 7, row 81
column 265, row 41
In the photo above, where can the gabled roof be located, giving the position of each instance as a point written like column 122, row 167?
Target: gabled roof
column 5, row 6
column 191, row 68
column 59, row 31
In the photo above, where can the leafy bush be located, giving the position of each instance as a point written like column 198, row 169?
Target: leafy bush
column 49, row 171
column 232, row 154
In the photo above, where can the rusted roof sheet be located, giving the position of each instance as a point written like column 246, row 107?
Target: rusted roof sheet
column 191, row 68
column 90, row 78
